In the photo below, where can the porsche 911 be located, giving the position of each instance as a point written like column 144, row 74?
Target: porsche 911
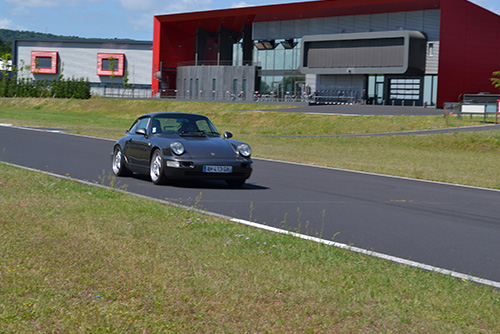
column 171, row 146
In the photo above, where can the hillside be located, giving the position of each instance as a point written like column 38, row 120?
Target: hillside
column 7, row 36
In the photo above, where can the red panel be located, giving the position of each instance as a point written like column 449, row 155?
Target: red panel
column 469, row 50
column 119, row 71
column 168, row 52
column 310, row 9
column 44, row 70
column 155, row 85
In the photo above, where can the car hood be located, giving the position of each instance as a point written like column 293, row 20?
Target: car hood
column 208, row 147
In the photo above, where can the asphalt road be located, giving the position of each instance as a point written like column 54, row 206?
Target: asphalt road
column 451, row 227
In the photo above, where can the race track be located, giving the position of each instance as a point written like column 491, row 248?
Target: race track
column 447, row 226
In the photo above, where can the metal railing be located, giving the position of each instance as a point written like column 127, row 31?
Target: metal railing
column 216, row 63
column 133, row 93
column 480, row 109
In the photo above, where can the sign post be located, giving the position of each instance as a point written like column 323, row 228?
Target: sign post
column 498, row 111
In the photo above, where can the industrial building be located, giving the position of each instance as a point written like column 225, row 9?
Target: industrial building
column 401, row 52
column 109, row 65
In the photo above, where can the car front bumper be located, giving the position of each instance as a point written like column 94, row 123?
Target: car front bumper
column 183, row 169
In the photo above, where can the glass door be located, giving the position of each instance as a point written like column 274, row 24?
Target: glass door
column 379, row 92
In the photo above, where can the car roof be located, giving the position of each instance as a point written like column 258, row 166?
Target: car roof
column 172, row 114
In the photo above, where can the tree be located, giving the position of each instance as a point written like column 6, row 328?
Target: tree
column 5, row 50
column 6, row 56
column 36, row 69
column 126, row 84
column 112, row 67
column 496, row 81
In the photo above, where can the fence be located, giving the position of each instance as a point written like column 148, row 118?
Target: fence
column 479, row 109
column 134, row 93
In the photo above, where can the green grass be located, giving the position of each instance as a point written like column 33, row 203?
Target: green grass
column 82, row 259
column 109, row 117
column 462, row 158
column 99, row 115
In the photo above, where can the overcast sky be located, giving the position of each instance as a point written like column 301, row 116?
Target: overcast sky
column 117, row 18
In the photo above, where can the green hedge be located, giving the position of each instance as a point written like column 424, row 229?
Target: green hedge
column 61, row 88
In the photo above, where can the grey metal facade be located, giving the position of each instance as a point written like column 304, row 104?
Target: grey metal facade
column 377, row 58
column 216, row 82
column 425, row 21
column 392, row 52
column 397, row 71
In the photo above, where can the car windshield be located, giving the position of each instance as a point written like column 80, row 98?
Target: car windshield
column 184, row 125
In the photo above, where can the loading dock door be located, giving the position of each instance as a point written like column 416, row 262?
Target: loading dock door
column 407, row 91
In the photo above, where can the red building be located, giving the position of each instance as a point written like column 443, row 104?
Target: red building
column 386, row 51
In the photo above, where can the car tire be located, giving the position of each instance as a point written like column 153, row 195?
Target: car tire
column 157, row 168
column 118, row 163
column 238, row 183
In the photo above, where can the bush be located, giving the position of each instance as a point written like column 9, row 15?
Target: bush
column 60, row 88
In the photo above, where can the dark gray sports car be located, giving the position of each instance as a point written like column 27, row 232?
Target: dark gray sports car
column 178, row 146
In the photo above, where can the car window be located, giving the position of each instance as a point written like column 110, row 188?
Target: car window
column 205, row 126
column 164, row 125
column 143, row 124
column 133, row 128
column 175, row 124
column 156, row 127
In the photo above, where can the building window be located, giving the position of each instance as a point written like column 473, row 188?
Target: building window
column 430, row 90
column 376, row 89
column 431, row 49
column 109, row 64
column 235, row 87
column 214, row 86
column 244, row 90
column 279, row 62
column 237, row 55
column 44, row 62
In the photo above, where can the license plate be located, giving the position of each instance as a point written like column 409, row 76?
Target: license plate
column 217, row 169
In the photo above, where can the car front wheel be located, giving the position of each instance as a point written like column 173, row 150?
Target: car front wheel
column 156, row 168
column 118, row 163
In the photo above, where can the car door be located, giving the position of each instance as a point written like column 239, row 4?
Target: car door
column 137, row 146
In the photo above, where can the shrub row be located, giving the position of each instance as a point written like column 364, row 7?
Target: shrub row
column 61, row 88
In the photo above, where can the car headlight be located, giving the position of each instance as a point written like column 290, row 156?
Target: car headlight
column 244, row 150
column 177, row 148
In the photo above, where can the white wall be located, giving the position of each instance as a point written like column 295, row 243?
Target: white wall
column 79, row 59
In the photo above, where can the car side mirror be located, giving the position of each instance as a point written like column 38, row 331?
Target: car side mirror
column 227, row 135
column 141, row 131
